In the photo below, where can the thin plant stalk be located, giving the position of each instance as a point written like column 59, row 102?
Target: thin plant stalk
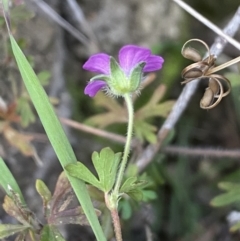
column 116, row 224
column 223, row 66
column 207, row 23
column 128, row 100
column 111, row 203
column 112, row 200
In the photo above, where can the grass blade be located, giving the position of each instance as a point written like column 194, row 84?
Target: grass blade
column 7, row 179
column 55, row 134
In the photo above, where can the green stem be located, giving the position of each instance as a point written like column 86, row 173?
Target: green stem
column 128, row 100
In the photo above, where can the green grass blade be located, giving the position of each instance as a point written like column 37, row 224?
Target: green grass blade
column 7, row 179
column 55, row 134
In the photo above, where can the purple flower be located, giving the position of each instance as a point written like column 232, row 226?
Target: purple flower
column 93, row 87
column 124, row 77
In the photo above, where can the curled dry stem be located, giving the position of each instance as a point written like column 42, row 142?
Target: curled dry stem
column 205, row 69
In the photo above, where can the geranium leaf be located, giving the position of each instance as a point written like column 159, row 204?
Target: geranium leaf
column 21, row 142
column 145, row 131
column 62, row 195
column 161, row 110
column 80, row 171
column 50, row 232
column 228, row 186
column 131, row 184
column 71, row 216
column 148, row 195
column 135, row 194
column 128, row 184
column 226, row 198
column 106, row 164
column 13, row 210
column 7, row 230
column 109, row 103
column 43, row 190
column 125, row 209
column 45, row 194
column 157, row 95
column 106, row 119
column 117, row 114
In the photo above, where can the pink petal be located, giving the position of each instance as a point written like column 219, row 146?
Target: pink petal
column 98, row 63
column 93, row 87
column 130, row 55
column 153, row 63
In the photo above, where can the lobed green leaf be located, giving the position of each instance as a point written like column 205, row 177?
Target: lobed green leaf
column 131, row 184
column 81, row 172
column 51, row 233
column 7, row 230
column 145, row 131
column 45, row 194
column 228, row 186
column 106, row 164
column 226, row 198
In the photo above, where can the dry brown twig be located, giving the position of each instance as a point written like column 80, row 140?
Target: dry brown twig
column 208, row 23
column 88, row 42
column 169, row 149
column 202, row 152
column 93, row 130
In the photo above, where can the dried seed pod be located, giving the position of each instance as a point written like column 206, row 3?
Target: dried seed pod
column 193, row 74
column 210, row 60
column 219, row 79
column 194, row 71
column 207, row 98
column 192, row 54
column 214, row 86
column 204, row 69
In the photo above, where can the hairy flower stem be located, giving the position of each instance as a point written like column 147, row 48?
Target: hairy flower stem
column 112, row 206
column 116, row 224
column 128, row 100
column 112, row 199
